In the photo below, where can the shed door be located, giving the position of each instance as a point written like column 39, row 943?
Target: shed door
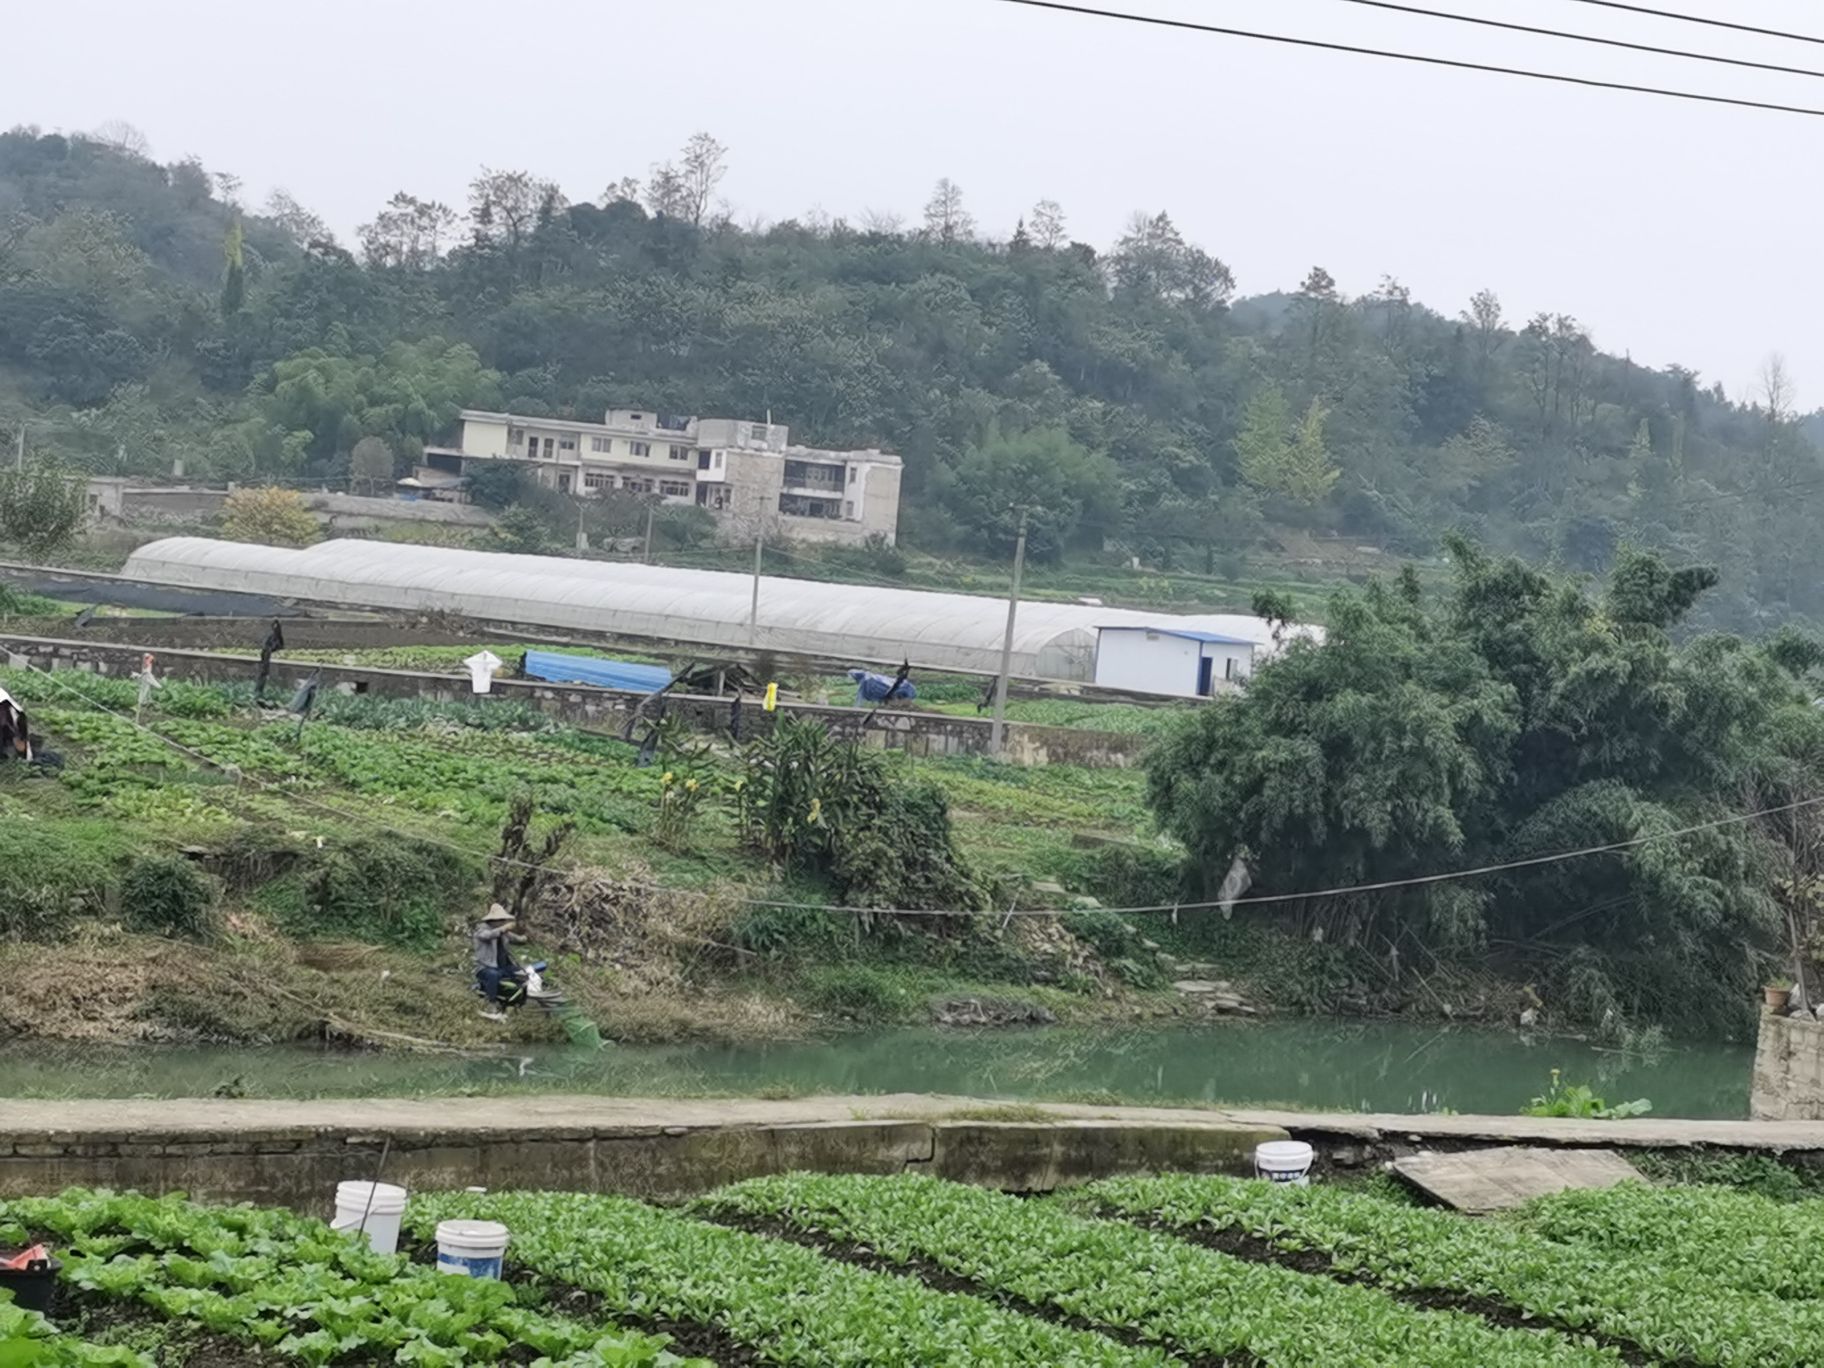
column 1203, row 676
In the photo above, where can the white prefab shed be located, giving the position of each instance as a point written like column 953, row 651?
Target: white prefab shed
column 1171, row 660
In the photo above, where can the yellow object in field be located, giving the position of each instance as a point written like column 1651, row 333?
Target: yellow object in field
column 772, row 698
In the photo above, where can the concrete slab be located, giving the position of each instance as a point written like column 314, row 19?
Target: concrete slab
column 1480, row 1181
column 1640, row 1132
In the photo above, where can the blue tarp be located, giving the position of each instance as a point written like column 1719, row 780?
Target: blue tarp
column 604, row 674
column 873, row 688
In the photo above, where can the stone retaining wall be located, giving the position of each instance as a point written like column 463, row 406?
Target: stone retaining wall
column 1788, row 1070
column 300, row 1166
column 923, row 734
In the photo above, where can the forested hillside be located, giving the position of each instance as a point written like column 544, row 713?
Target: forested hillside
column 1122, row 390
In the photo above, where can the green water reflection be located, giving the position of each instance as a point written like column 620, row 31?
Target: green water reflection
column 1377, row 1066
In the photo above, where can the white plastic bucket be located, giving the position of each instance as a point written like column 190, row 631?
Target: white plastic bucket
column 372, row 1207
column 1284, row 1161
column 471, row 1249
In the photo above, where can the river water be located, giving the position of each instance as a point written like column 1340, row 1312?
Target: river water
column 1373, row 1066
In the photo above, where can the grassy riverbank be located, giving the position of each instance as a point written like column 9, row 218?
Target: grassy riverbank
column 339, row 866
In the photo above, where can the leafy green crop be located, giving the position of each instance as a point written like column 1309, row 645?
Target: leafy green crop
column 294, row 1285
column 1649, row 1297
column 1731, row 1239
column 28, row 1340
column 1187, row 1298
column 791, row 1306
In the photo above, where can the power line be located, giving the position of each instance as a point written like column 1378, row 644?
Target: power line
column 1162, row 22
column 1586, row 38
column 1703, row 19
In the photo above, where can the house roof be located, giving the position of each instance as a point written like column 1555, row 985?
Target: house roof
column 1188, row 633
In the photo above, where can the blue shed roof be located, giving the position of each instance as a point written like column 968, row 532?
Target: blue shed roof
column 1213, row 638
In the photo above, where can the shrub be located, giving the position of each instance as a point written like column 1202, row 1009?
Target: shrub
column 779, row 932
column 1114, row 939
column 865, row 993
column 385, row 889
column 276, row 517
column 168, row 896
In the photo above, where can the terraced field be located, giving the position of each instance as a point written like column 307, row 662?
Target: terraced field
column 817, row 1270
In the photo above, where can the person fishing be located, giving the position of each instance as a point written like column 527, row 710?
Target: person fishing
column 497, row 976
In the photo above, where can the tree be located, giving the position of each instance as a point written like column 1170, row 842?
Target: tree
column 299, row 223
column 269, row 515
column 1153, row 261
column 1513, row 717
column 41, row 508
column 946, row 220
column 504, row 206
column 668, row 193
column 702, row 167
column 234, row 277
column 372, row 462
column 497, row 484
column 1483, row 317
column 1047, row 225
column 409, row 233
column 407, row 396
column 1309, row 474
column 124, row 138
column 1054, row 482
column 624, row 191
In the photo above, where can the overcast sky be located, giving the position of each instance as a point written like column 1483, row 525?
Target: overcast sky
column 1675, row 231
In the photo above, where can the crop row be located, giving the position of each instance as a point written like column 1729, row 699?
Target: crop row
column 292, row 1285
column 1199, row 1301
column 28, row 1340
column 1648, row 1300
column 787, row 1304
column 1731, row 1239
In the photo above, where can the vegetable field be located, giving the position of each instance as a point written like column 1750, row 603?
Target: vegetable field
column 818, row 1270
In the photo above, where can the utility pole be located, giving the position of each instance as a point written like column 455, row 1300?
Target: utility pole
column 20, row 463
column 646, row 546
column 1013, row 608
column 753, row 613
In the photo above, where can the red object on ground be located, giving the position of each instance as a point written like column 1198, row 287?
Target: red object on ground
column 20, row 1262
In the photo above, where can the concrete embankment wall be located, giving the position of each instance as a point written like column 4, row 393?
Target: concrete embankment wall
column 300, row 1165
column 924, row 734
column 1788, row 1070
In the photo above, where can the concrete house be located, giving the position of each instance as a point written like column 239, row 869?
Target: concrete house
column 747, row 475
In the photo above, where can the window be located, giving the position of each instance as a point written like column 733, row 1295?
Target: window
column 758, row 432
column 1228, row 668
column 566, row 444
column 516, row 435
column 675, row 488
column 853, row 472
column 640, row 448
column 602, row 444
column 718, row 460
column 680, row 453
column 848, row 509
column 597, row 479
column 549, row 453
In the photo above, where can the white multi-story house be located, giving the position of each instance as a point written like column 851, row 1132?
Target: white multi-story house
column 748, row 475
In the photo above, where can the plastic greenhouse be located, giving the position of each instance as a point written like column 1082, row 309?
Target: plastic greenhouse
column 709, row 607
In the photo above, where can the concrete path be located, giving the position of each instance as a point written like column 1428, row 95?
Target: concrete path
column 22, row 1120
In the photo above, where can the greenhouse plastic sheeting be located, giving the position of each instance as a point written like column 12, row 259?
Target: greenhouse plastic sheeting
column 706, row 607
column 604, row 674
